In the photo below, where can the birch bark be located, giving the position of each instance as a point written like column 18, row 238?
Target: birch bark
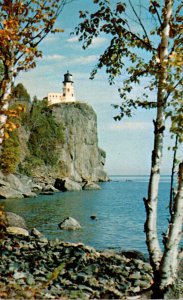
column 6, row 92
column 159, row 127
column 169, row 265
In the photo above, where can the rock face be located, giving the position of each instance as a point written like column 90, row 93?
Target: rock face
column 79, row 158
column 12, row 186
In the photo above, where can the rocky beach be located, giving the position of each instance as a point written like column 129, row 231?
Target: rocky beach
column 32, row 267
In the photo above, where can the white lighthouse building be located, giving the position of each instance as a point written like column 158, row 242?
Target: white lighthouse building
column 68, row 92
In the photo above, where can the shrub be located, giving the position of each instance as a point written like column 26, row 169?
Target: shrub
column 10, row 153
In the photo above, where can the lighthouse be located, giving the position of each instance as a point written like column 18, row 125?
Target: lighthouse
column 68, row 88
column 68, row 92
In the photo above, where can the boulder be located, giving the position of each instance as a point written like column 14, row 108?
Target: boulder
column 21, row 185
column 69, row 224
column 134, row 254
column 6, row 192
column 93, row 217
column 91, row 186
column 36, row 233
column 17, row 231
column 67, row 185
column 50, row 188
column 14, row 220
column 12, row 186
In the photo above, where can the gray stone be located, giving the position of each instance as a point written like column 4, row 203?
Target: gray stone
column 91, row 186
column 43, row 240
column 30, row 280
column 3, row 183
column 50, row 188
column 70, row 224
column 135, row 275
column 16, row 184
column 12, row 186
column 36, row 232
column 36, row 187
column 67, row 185
column 19, row 275
column 72, row 185
column 6, row 192
column 15, row 220
column 17, row 231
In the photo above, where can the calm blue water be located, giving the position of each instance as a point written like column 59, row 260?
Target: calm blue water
column 118, row 206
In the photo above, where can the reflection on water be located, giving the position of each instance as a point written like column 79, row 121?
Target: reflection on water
column 118, row 206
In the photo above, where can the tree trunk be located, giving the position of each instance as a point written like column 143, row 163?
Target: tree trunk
column 159, row 127
column 167, row 284
column 169, row 265
column 172, row 176
column 4, row 103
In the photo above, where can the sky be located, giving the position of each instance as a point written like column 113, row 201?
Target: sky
column 128, row 143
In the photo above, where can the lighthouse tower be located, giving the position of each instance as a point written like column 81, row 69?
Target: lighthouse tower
column 68, row 88
column 68, row 92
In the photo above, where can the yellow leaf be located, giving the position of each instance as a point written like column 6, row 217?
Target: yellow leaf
column 6, row 135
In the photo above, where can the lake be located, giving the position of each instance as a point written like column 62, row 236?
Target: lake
column 119, row 209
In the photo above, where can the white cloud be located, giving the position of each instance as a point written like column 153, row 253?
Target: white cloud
column 53, row 57
column 97, row 42
column 83, row 60
column 75, row 60
column 50, row 39
column 73, row 39
column 132, row 126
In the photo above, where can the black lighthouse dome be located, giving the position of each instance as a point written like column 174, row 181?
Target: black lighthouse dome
column 68, row 77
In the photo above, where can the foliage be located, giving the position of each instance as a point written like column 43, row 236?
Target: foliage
column 10, row 153
column 31, row 163
column 23, row 26
column 136, row 53
column 153, row 53
column 19, row 93
column 45, row 135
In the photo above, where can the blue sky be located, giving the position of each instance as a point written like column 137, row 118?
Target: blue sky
column 128, row 143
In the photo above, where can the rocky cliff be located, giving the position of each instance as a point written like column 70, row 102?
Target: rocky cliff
column 73, row 161
column 78, row 158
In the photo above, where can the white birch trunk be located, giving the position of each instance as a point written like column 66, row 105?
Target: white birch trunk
column 4, row 107
column 5, row 99
column 169, row 264
column 159, row 125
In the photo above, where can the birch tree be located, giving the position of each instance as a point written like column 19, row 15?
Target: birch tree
column 154, row 53
column 23, row 26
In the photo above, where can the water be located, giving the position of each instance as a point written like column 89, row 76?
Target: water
column 118, row 207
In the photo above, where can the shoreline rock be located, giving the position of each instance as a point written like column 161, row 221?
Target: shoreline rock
column 54, row 269
column 69, row 224
column 19, row 186
column 32, row 267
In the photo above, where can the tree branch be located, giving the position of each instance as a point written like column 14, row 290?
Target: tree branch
column 139, row 20
column 157, row 13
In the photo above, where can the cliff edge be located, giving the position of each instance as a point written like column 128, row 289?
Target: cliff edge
column 77, row 156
